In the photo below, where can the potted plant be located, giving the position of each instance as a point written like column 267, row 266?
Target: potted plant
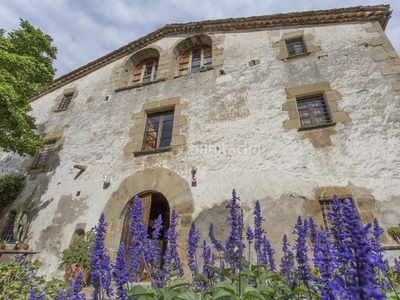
column 2, row 244
column 23, row 220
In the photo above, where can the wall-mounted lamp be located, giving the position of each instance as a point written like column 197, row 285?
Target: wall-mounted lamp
column 81, row 169
column 194, row 180
column 106, row 181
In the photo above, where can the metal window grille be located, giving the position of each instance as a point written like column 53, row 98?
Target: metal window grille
column 66, row 100
column 326, row 207
column 313, row 111
column 43, row 156
column 295, row 47
column 7, row 234
column 158, row 130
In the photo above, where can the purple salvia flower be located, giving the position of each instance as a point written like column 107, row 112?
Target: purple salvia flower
column 234, row 244
column 268, row 252
column 139, row 243
column 192, row 241
column 208, row 259
column 101, row 264
column 312, row 227
column 335, row 217
column 120, row 273
column 300, row 246
column 222, row 267
column 325, row 262
column 396, row 267
column 258, row 230
column 378, row 251
column 172, row 261
column 360, row 279
column 216, row 243
column 153, row 255
column 60, row 295
column 249, row 238
column 32, row 295
column 75, row 288
column 287, row 263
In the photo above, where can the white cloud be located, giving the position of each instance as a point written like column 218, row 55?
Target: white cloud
column 84, row 30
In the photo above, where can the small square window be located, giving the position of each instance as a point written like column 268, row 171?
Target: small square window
column 66, row 100
column 295, row 47
column 158, row 132
column 43, row 156
column 313, row 111
column 326, row 207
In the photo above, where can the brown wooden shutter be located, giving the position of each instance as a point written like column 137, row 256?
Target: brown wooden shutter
column 146, row 201
column 137, row 73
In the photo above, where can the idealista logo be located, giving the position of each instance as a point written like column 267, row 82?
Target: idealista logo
column 222, row 148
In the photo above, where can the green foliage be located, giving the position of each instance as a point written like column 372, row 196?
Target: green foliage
column 24, row 217
column 255, row 283
column 15, row 282
column 394, row 232
column 77, row 256
column 10, row 187
column 26, row 58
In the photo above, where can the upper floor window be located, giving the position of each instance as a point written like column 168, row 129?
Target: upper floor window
column 295, row 46
column 43, row 156
column 66, row 100
column 158, row 132
column 146, row 71
column 313, row 111
column 194, row 60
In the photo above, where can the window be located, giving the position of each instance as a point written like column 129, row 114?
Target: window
column 7, row 234
column 194, row 60
column 295, row 47
column 326, row 207
column 66, row 100
column 158, row 132
column 43, row 156
column 313, row 111
column 146, row 71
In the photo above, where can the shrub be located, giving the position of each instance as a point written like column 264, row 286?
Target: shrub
column 10, row 187
column 77, row 257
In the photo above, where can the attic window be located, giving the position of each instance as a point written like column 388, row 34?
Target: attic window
column 295, row 47
column 195, row 60
column 146, row 71
column 66, row 100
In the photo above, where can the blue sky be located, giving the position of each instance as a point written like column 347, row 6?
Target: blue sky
column 84, row 30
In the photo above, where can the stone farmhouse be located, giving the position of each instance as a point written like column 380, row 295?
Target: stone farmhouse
column 288, row 109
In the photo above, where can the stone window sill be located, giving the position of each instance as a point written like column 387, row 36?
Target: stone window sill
column 138, row 85
column 60, row 110
column 152, row 151
column 293, row 57
column 317, row 127
column 201, row 71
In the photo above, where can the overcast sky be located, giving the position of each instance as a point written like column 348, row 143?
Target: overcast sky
column 84, row 30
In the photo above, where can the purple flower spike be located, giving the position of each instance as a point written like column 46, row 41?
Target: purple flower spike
column 360, row 279
column 216, row 243
column 287, row 263
column 258, row 231
column 208, row 260
column 101, row 263
column 172, row 261
column 120, row 273
column 192, row 241
column 302, row 251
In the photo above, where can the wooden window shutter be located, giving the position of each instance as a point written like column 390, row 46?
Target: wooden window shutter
column 146, row 202
column 137, row 73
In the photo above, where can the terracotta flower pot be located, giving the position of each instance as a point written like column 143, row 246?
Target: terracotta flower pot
column 23, row 246
column 2, row 245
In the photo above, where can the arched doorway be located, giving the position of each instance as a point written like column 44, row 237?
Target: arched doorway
column 154, row 205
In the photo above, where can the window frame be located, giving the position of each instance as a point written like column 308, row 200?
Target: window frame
column 327, row 203
column 141, row 69
column 296, row 43
column 65, row 101
column 204, row 64
column 44, row 154
column 7, row 233
column 318, row 98
column 162, row 114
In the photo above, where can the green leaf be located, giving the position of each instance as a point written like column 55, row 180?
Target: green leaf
column 252, row 293
column 227, row 286
column 215, row 269
column 221, row 294
column 247, row 272
column 177, row 283
column 188, row 295
column 139, row 290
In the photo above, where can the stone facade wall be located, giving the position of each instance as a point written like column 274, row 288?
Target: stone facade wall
column 232, row 127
